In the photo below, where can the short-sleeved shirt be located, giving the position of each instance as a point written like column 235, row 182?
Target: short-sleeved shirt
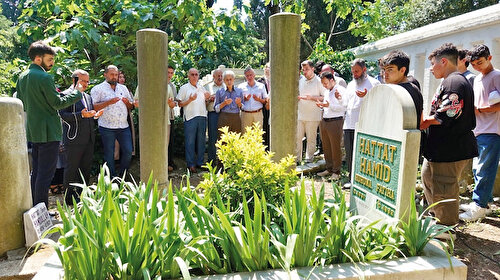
column 307, row 109
column 212, row 88
column 258, row 89
column 335, row 108
column 486, row 122
column 222, row 94
column 417, row 98
column 169, row 113
column 453, row 107
column 115, row 115
column 354, row 101
column 197, row 107
column 469, row 76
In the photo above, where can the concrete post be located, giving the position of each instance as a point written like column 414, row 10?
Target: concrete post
column 284, row 43
column 15, row 190
column 152, row 63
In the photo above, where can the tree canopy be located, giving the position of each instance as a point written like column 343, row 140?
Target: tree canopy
column 91, row 34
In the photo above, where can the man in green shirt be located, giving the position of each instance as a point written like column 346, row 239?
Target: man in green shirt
column 41, row 101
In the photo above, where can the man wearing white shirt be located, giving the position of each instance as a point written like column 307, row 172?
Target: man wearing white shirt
column 192, row 98
column 338, row 80
column 331, row 125
column 355, row 93
column 115, row 101
column 309, row 114
column 213, row 116
column 254, row 98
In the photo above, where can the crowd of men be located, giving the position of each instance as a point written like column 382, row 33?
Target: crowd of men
column 463, row 122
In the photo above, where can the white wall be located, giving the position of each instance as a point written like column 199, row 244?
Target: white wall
column 464, row 31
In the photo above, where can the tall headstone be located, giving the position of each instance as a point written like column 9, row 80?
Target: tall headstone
column 152, row 64
column 284, row 43
column 385, row 156
column 15, row 191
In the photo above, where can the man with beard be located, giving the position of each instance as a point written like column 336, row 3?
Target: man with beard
column 338, row 80
column 355, row 93
column 36, row 89
column 115, row 101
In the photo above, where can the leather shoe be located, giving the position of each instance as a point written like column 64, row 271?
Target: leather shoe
column 192, row 170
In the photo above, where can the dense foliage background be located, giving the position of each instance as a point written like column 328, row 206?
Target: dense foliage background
column 91, row 34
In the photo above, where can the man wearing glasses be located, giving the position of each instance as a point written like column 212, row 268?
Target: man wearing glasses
column 192, row 97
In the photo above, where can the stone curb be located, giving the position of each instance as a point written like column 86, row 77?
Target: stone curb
column 433, row 265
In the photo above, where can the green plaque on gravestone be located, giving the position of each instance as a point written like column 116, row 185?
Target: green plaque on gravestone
column 376, row 167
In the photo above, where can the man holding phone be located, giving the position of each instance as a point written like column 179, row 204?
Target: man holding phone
column 114, row 100
column 78, row 137
column 36, row 89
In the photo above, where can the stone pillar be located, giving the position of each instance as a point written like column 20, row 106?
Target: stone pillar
column 284, row 44
column 152, row 63
column 15, row 190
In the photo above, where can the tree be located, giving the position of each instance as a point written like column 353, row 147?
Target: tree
column 423, row 12
column 9, row 50
column 91, row 34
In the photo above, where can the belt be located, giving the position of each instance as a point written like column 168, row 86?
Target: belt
column 256, row 111
column 333, row 119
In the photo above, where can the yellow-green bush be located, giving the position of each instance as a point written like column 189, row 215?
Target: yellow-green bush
column 247, row 167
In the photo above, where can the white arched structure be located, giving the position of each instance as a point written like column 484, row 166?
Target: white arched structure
column 477, row 27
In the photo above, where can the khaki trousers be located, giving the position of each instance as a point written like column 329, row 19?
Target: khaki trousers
column 310, row 129
column 441, row 182
column 248, row 119
column 331, row 138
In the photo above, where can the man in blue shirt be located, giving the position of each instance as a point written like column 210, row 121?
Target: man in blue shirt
column 254, row 98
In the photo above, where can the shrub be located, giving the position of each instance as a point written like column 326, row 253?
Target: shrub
column 248, row 168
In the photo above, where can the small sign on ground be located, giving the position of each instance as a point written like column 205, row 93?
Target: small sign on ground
column 36, row 222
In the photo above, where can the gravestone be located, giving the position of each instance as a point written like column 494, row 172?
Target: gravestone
column 152, row 64
column 385, row 154
column 15, row 191
column 284, row 53
column 36, row 222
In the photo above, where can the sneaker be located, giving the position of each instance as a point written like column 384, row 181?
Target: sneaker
column 335, row 176
column 475, row 213
column 324, row 173
column 467, row 206
column 346, row 186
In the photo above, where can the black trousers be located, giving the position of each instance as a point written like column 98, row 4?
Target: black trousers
column 265, row 127
column 349, row 145
column 44, row 166
column 79, row 159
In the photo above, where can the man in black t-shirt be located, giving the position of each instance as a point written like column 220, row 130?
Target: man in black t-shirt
column 450, row 141
column 395, row 69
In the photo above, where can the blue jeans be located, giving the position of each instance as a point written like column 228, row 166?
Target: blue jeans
column 485, row 168
column 44, row 163
column 124, row 138
column 213, row 117
column 194, row 138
